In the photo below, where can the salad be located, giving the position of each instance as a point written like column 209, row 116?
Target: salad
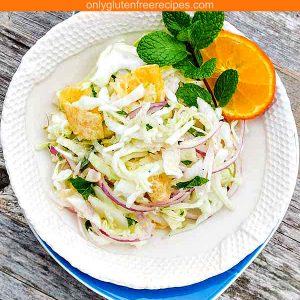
column 142, row 144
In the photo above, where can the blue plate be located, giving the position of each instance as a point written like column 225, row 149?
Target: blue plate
column 206, row 290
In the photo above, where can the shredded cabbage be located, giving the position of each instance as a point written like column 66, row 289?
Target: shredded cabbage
column 139, row 159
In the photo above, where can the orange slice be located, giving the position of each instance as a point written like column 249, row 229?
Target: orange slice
column 257, row 80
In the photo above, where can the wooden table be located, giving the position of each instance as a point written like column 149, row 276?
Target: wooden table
column 28, row 272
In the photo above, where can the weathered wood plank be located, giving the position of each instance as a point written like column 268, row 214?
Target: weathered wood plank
column 24, row 259
column 14, row 289
column 28, row 272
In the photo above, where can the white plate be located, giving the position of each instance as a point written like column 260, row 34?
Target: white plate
column 270, row 162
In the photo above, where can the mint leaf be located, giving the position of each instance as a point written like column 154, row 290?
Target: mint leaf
column 94, row 93
column 88, row 225
column 189, row 93
column 197, row 181
column 84, row 163
column 198, row 57
column 195, row 132
column 122, row 113
column 205, row 28
column 148, row 127
column 85, row 188
column 175, row 21
column 131, row 221
column 225, row 86
column 208, row 68
column 160, row 48
column 184, row 35
column 189, row 70
column 186, row 162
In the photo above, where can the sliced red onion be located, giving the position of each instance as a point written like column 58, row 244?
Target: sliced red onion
column 109, row 193
column 230, row 161
column 177, row 198
column 200, row 152
column 52, row 150
column 153, row 108
column 199, row 140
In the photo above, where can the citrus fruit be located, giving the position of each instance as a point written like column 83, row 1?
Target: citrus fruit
column 87, row 125
column 71, row 94
column 257, row 80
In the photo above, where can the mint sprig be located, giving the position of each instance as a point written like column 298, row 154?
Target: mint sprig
column 197, row 181
column 183, row 52
column 189, row 93
column 225, row 86
column 160, row 48
column 175, row 21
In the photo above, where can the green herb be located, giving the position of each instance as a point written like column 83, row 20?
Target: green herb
column 225, row 86
column 198, row 56
column 88, row 225
column 197, row 181
column 148, row 127
column 175, row 21
column 189, row 93
column 189, row 70
column 184, row 35
column 130, row 221
column 122, row 113
column 94, row 93
column 160, row 48
column 181, row 212
column 205, row 28
column 84, row 163
column 186, row 162
column 85, row 188
column 195, row 132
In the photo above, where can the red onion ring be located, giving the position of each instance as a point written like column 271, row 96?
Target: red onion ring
column 153, row 108
column 199, row 140
column 109, row 193
column 52, row 150
column 200, row 152
column 179, row 197
column 230, row 161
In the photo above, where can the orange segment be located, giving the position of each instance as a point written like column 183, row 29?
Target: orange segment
column 71, row 94
column 161, row 187
column 257, row 80
column 149, row 74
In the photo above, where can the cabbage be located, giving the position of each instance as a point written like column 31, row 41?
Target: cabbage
column 113, row 58
column 171, row 161
column 109, row 211
column 133, row 96
column 75, row 147
column 84, row 209
column 99, row 164
column 87, row 103
column 174, row 217
column 58, row 126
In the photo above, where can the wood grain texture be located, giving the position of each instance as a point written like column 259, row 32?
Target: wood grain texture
column 28, row 272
